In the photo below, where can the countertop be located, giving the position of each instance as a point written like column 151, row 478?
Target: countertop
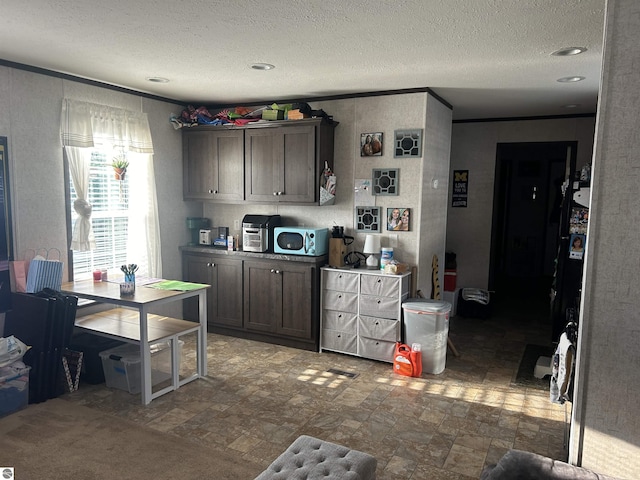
column 203, row 249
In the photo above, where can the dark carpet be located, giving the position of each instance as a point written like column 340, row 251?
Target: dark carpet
column 525, row 377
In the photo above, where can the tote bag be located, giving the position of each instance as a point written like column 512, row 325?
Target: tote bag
column 44, row 272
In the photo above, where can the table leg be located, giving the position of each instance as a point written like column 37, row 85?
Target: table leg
column 145, row 358
column 202, row 334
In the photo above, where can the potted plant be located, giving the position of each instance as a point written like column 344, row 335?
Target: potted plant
column 120, row 164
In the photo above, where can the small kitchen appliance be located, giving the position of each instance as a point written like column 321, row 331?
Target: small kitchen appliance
column 312, row 242
column 205, row 236
column 195, row 224
column 257, row 232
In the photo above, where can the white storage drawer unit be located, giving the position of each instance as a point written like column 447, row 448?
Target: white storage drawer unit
column 361, row 312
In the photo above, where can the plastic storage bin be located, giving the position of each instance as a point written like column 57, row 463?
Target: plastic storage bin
column 14, row 388
column 121, row 365
column 427, row 322
column 91, row 345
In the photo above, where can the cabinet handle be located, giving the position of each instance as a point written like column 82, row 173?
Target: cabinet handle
column 275, row 193
column 274, row 271
column 378, row 301
column 215, row 191
column 211, row 264
column 279, row 193
column 210, row 191
column 340, row 316
column 339, row 296
column 379, row 280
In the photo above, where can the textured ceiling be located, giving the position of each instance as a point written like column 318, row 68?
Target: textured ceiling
column 487, row 58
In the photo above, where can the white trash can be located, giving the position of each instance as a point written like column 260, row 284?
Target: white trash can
column 427, row 322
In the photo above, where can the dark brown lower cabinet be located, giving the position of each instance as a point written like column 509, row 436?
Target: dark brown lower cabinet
column 224, row 298
column 275, row 301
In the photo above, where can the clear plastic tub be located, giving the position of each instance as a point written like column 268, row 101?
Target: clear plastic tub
column 427, row 322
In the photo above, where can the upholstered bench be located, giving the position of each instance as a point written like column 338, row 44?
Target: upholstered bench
column 311, row 458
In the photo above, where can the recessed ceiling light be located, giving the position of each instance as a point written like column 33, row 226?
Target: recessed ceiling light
column 575, row 78
column 158, row 79
column 263, row 66
column 568, row 51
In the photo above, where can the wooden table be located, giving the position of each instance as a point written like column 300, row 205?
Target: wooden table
column 133, row 323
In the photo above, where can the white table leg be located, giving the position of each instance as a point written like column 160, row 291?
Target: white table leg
column 145, row 358
column 202, row 334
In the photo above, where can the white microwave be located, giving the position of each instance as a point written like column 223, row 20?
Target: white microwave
column 312, row 242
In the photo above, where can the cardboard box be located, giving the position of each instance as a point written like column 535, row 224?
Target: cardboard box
column 14, row 388
column 273, row 114
column 296, row 115
column 121, row 365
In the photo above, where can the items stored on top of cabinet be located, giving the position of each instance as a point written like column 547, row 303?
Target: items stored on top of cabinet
column 275, row 161
column 191, row 116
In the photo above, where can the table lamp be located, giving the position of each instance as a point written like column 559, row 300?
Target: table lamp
column 372, row 247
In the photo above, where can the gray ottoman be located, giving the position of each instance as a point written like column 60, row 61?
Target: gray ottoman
column 311, row 458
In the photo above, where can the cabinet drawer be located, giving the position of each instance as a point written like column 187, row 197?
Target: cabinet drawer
column 379, row 328
column 376, row 349
column 378, row 306
column 339, row 341
column 340, row 321
column 341, row 301
column 380, row 285
column 341, row 281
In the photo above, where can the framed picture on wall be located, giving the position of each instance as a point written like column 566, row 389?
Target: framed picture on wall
column 398, row 219
column 371, row 144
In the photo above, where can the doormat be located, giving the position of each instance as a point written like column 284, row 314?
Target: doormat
column 524, row 377
column 335, row 371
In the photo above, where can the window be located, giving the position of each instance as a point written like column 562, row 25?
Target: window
column 109, row 198
column 113, row 221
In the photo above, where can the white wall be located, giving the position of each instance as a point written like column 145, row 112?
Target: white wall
column 473, row 148
column 31, row 105
column 605, row 432
column 428, row 206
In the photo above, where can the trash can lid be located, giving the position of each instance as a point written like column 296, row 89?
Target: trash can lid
column 425, row 305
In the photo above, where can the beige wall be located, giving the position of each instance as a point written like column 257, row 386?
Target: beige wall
column 605, row 432
column 428, row 205
column 31, row 105
column 473, row 148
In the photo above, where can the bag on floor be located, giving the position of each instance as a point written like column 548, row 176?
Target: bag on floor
column 406, row 361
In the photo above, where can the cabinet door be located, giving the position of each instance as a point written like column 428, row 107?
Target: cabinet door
column 263, row 151
column 227, row 308
column 213, row 165
column 297, row 174
column 297, row 307
column 262, row 296
column 280, row 164
column 278, row 298
column 224, row 298
column 195, row 268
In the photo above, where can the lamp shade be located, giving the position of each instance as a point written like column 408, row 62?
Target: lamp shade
column 372, row 244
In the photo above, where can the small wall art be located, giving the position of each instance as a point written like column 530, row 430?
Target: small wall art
column 371, row 144
column 407, row 143
column 399, row 219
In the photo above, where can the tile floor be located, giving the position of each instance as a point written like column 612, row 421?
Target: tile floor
column 259, row 397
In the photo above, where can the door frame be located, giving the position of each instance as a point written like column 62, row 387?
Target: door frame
column 500, row 194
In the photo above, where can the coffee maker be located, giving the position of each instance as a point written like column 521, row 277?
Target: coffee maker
column 194, row 224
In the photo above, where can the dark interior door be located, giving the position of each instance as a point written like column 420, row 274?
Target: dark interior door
column 527, row 202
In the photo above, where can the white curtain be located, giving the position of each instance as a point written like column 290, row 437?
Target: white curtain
column 87, row 125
